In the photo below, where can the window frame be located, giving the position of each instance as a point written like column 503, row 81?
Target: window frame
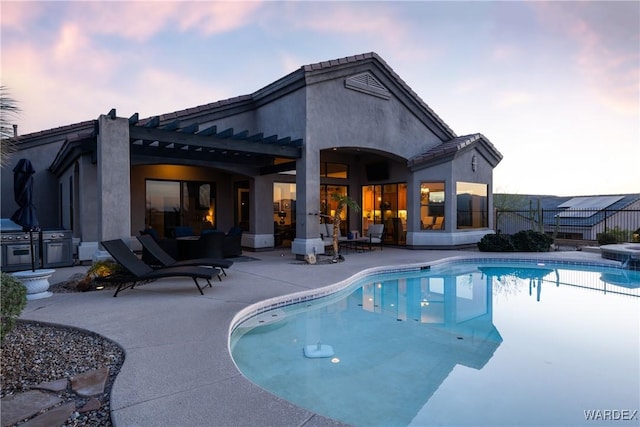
column 433, row 212
column 477, row 214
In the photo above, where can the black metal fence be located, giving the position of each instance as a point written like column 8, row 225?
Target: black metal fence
column 572, row 224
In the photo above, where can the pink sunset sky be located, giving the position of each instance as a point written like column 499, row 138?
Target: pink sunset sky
column 555, row 86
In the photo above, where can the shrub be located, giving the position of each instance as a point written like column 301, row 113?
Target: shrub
column 606, row 238
column 13, row 299
column 522, row 241
column 496, row 243
column 98, row 270
column 531, row 241
column 103, row 268
column 616, row 235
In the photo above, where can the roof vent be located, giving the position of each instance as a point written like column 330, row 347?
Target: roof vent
column 367, row 83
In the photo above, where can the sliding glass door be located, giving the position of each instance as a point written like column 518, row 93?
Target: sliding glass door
column 386, row 204
column 171, row 204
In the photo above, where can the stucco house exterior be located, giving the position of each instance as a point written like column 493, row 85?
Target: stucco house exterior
column 268, row 163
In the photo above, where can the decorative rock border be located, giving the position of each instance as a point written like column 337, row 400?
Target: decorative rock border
column 22, row 406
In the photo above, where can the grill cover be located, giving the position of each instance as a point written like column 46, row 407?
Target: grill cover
column 7, row 225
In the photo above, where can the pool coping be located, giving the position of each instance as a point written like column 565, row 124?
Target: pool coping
column 281, row 301
column 178, row 369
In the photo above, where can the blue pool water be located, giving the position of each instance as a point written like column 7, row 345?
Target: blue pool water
column 458, row 345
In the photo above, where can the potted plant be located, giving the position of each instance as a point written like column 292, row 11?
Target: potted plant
column 343, row 202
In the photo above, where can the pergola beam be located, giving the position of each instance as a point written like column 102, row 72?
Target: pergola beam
column 200, row 156
column 267, row 146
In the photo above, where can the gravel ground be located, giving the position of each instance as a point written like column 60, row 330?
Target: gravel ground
column 33, row 353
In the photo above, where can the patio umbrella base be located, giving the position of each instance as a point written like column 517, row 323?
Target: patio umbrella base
column 36, row 282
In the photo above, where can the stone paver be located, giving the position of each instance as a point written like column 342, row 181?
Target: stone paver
column 90, row 383
column 92, row 405
column 54, row 417
column 57, row 385
column 24, row 405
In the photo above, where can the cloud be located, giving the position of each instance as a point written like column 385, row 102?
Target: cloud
column 70, row 40
column 289, row 62
column 135, row 20
column 381, row 26
column 158, row 91
column 217, row 17
column 514, row 98
column 607, row 35
column 470, row 86
column 504, row 53
column 18, row 15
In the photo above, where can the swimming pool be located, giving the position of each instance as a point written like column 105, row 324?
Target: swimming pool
column 462, row 343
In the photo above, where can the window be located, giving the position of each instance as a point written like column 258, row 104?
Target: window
column 171, row 204
column 284, row 213
column 334, row 170
column 432, row 199
column 472, row 210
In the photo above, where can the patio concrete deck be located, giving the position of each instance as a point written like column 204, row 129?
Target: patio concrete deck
column 178, row 370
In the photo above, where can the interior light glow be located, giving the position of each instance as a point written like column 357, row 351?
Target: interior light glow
column 335, row 360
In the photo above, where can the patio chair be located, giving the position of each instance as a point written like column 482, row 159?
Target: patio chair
column 233, row 243
column 439, row 225
column 328, row 236
column 163, row 259
column 375, row 233
column 140, row 272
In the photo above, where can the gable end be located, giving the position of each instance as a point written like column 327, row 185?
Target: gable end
column 367, row 83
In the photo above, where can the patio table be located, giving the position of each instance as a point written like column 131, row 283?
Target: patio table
column 359, row 245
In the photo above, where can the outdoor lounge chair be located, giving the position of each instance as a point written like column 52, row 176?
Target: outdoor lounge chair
column 140, row 272
column 163, row 259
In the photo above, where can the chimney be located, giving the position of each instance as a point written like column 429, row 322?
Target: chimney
column 15, row 130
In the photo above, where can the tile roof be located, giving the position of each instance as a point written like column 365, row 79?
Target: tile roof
column 63, row 130
column 450, row 148
column 284, row 81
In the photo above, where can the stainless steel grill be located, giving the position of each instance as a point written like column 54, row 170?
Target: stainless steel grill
column 16, row 247
column 56, row 248
column 51, row 248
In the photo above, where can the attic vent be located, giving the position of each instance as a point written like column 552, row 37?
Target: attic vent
column 366, row 83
